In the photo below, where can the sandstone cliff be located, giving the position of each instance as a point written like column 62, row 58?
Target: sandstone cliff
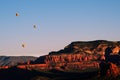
column 81, row 51
column 82, row 55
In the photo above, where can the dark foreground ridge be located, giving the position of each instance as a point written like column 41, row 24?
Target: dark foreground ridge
column 23, row 74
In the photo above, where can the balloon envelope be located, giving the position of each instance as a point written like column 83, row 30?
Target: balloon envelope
column 17, row 14
column 34, row 26
column 23, row 45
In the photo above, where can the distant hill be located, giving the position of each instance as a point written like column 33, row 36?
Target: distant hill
column 14, row 60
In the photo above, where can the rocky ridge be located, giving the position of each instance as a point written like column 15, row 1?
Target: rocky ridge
column 81, row 51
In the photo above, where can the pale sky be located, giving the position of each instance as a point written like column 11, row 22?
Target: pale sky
column 59, row 22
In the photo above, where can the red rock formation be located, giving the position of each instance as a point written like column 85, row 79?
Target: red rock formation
column 113, row 70
column 77, row 55
column 102, row 57
column 82, row 51
column 115, row 50
column 4, row 67
column 33, row 66
column 109, row 69
column 67, row 58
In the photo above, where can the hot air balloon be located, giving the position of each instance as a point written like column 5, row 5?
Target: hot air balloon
column 23, row 45
column 34, row 26
column 17, row 14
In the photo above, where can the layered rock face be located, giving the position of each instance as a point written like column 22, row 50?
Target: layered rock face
column 81, row 54
column 82, row 51
column 90, row 47
column 113, row 70
column 68, row 58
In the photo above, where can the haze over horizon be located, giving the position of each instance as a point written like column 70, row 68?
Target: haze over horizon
column 58, row 23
